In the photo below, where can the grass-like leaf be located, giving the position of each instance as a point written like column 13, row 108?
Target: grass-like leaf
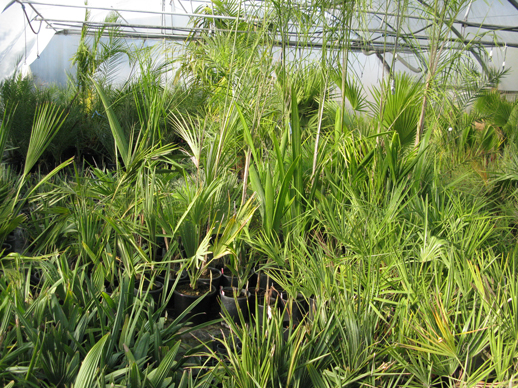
column 121, row 141
column 86, row 376
column 47, row 122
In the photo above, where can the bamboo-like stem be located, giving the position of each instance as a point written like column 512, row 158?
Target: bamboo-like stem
column 435, row 55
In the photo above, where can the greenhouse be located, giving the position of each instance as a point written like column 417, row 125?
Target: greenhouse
column 261, row 193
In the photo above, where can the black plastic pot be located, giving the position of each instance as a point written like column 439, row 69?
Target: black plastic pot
column 16, row 241
column 172, row 278
column 252, row 280
column 155, row 291
column 183, row 300
column 35, row 277
column 296, row 308
column 172, row 281
column 256, row 297
column 265, row 281
column 223, row 352
column 216, row 278
column 269, row 306
column 228, row 279
column 232, row 304
column 173, row 274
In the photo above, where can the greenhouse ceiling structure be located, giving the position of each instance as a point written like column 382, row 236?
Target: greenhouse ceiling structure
column 385, row 36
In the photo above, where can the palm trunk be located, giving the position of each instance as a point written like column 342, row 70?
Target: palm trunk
column 435, row 54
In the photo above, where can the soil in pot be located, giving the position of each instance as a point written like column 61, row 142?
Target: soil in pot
column 228, row 279
column 205, row 278
column 234, row 301
column 172, row 280
column 184, row 296
column 185, row 289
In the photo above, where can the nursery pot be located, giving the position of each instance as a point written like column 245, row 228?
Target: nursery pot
column 265, row 281
column 172, row 280
column 269, row 306
column 252, row 280
column 223, row 352
column 296, row 308
column 155, row 290
column 228, row 279
column 184, row 297
column 233, row 301
column 14, row 241
column 256, row 298
column 35, row 277
column 173, row 275
column 216, row 277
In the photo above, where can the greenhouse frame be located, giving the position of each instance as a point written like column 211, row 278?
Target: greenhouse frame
column 487, row 29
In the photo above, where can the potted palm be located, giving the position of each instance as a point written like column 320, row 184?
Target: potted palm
column 188, row 292
column 202, row 203
column 209, row 250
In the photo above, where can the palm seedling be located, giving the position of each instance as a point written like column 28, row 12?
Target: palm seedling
column 47, row 122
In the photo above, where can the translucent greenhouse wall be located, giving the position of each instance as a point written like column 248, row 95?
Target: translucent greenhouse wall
column 48, row 53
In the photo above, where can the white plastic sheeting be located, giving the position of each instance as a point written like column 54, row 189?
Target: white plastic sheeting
column 18, row 47
column 493, row 24
column 27, row 27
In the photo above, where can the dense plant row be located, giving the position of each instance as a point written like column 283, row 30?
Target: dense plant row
column 403, row 251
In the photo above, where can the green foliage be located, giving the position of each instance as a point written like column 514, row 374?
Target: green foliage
column 398, row 110
column 395, row 263
column 96, row 58
column 493, row 107
column 20, row 99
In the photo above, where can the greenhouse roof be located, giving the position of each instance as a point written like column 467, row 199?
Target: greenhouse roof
column 489, row 29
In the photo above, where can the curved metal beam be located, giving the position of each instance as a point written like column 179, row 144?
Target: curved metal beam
column 459, row 35
column 514, row 3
